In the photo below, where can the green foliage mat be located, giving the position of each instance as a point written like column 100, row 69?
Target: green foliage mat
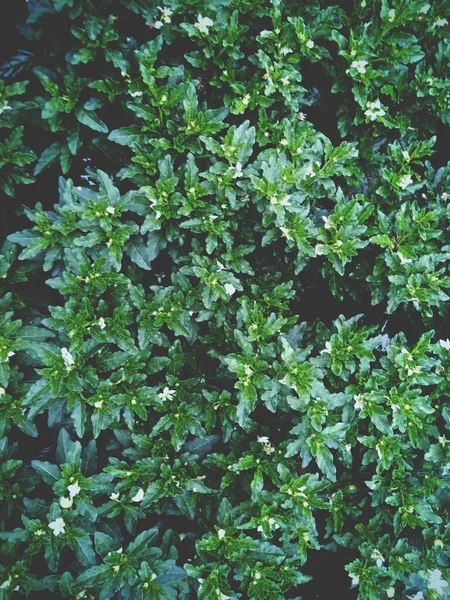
column 224, row 319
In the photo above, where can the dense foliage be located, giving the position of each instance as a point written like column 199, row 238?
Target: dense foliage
column 224, row 333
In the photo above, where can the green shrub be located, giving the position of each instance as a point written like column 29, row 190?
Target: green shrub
column 224, row 333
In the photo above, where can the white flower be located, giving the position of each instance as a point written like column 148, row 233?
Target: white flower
column 5, row 106
column 440, row 23
column 114, row 496
column 391, row 15
column 265, row 33
column 359, row 65
column 404, row 181
column 229, row 288
column 221, row 534
column 101, row 323
column 285, row 51
column 67, row 358
column 166, row 13
column 138, row 496
column 354, row 578
column 138, row 93
column 246, row 99
column 285, row 233
column 285, row 80
column 237, row 170
column 374, row 110
column 57, row 526
column 327, row 223
column 445, row 196
column 310, row 44
column 65, row 502
column 327, row 349
column 301, row 116
column 73, row 489
column 166, row 394
column 203, row 24
column 378, row 557
column 403, row 260
column 435, row 581
column 445, row 344
column 263, row 439
column 111, row 210
column 359, row 404
column 158, row 24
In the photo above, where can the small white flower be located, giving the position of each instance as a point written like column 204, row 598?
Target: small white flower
column 285, row 80
column 203, row 24
column 285, row 233
column 5, row 106
column 57, row 526
column 67, row 358
column 310, row 44
column 359, row 65
column 440, row 23
column 328, row 348
column 405, row 181
column 237, row 170
column 435, row 581
column 73, row 489
column 327, row 222
column 114, row 496
column 374, row 110
column 101, row 323
column 257, row 575
column 166, row 394
column 10, row 354
column 246, row 99
column 418, row 596
column 166, row 13
column 391, row 15
column 403, row 260
column 445, row 344
column 445, row 196
column 158, row 24
column 138, row 496
column 354, row 578
column 221, row 534
column 98, row 404
column 65, row 502
column 263, row 439
column 285, row 51
column 265, row 33
column 110, row 210
column 359, row 404
column 138, row 93
column 378, row 557
column 229, row 288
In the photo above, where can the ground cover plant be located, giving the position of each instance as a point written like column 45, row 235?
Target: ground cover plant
column 225, row 285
